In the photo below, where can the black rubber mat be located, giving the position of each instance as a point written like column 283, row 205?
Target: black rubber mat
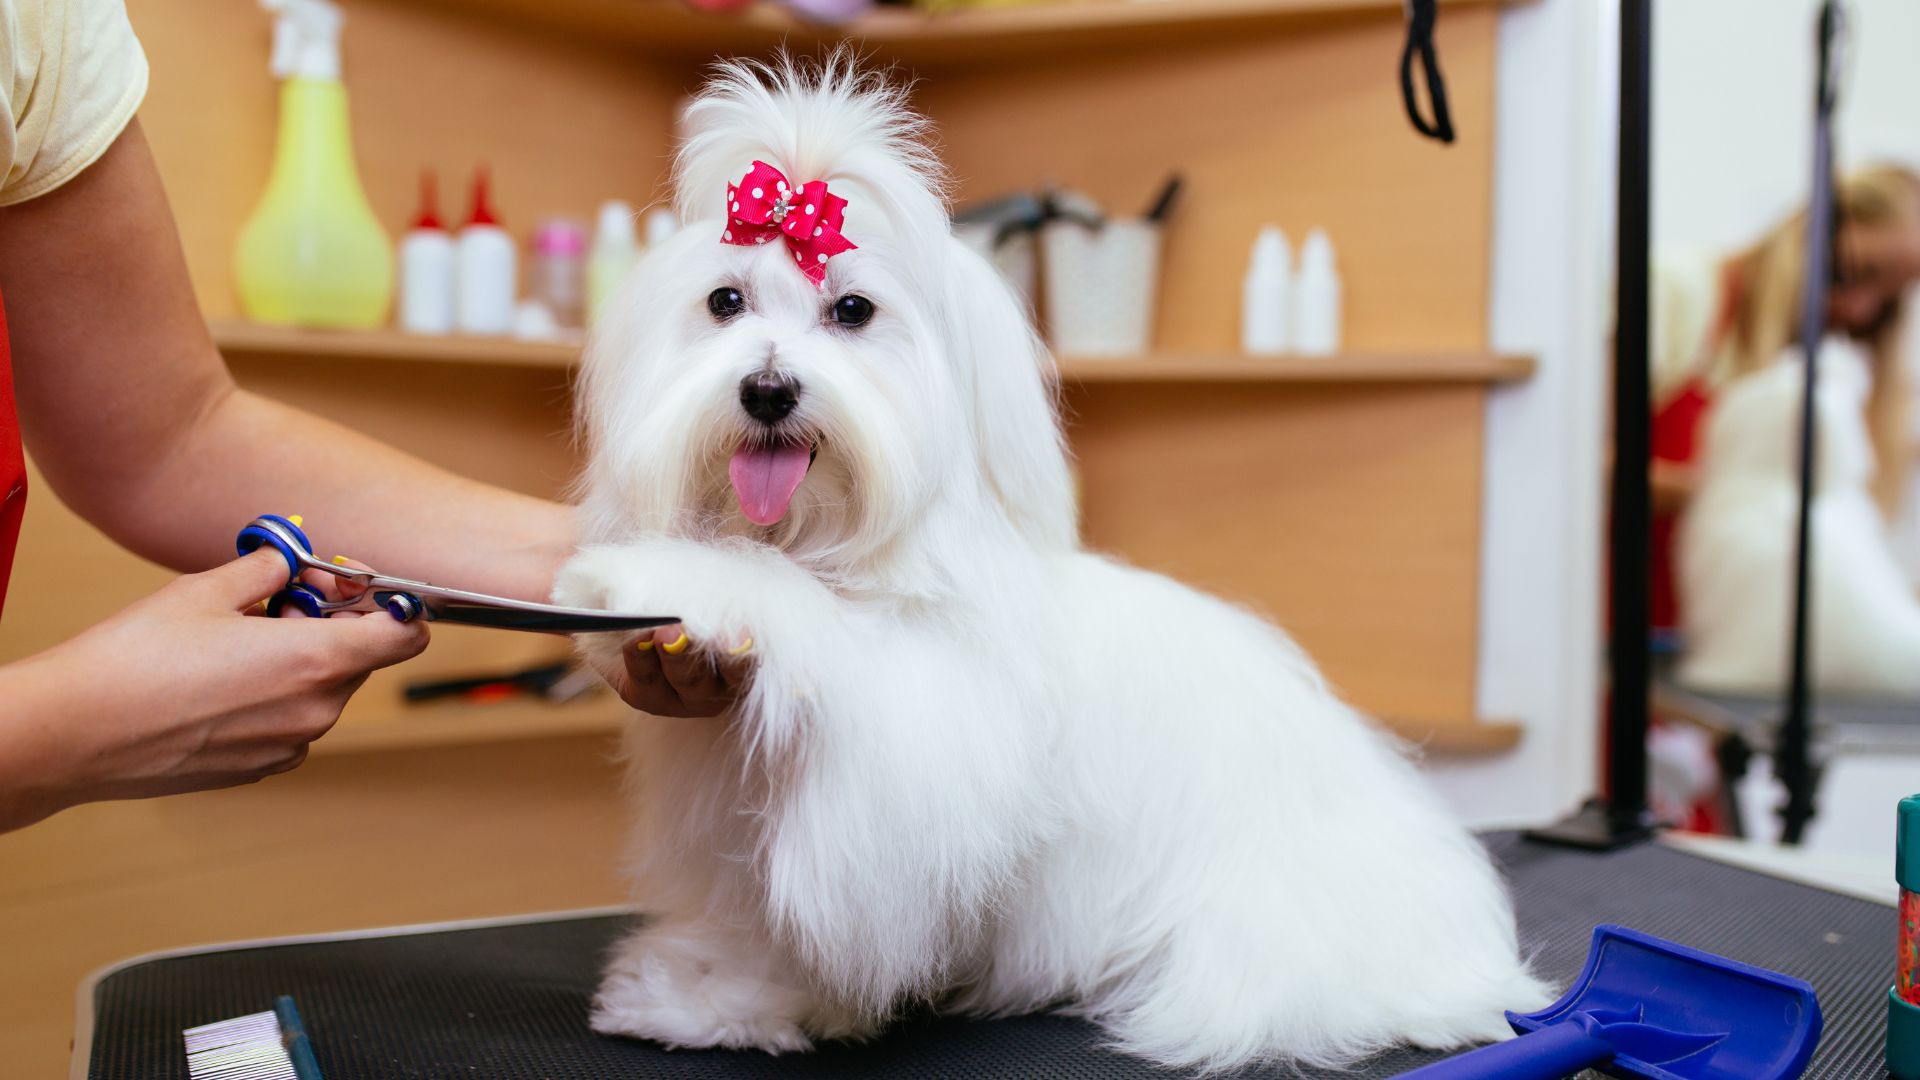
column 510, row 1002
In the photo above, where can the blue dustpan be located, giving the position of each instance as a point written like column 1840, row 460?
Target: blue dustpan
column 1652, row 1010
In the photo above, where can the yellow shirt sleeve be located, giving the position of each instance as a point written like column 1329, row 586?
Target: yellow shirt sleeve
column 72, row 75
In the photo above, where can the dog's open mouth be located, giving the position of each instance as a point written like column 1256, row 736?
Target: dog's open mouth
column 766, row 474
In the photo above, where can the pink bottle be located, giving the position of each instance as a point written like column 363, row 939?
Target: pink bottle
column 558, row 275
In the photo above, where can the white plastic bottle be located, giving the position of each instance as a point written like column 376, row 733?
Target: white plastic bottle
column 1316, row 299
column 661, row 225
column 426, row 269
column 613, row 254
column 487, row 269
column 1264, row 296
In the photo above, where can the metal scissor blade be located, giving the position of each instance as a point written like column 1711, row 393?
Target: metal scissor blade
column 540, row 618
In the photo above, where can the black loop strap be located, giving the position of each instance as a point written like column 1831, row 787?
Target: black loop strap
column 1421, row 16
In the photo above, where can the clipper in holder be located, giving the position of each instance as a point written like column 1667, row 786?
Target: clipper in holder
column 1653, row 1010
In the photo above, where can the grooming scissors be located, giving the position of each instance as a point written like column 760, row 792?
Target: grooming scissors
column 407, row 600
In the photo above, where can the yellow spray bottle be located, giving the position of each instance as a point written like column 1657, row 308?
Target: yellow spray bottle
column 312, row 253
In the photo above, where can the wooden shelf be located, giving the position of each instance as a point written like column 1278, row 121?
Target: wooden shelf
column 239, row 339
column 933, row 38
column 393, row 725
column 236, row 338
column 402, row 727
column 1362, row 368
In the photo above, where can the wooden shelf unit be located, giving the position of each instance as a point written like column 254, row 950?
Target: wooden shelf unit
column 250, row 340
column 572, row 101
column 934, row 38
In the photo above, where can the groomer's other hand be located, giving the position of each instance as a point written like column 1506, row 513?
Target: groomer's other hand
column 185, row 690
column 669, row 674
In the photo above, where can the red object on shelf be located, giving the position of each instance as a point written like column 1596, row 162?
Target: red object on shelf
column 429, row 216
column 482, row 210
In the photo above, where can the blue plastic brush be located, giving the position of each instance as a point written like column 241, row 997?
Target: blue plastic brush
column 269, row 1045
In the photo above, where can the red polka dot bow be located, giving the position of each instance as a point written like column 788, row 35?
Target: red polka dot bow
column 763, row 205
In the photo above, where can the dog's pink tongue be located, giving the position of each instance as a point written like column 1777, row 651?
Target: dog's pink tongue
column 765, row 478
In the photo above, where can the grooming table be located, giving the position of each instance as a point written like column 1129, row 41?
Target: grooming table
column 508, row 1001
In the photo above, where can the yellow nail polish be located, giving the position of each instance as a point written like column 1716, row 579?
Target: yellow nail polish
column 741, row 649
column 676, row 646
column 339, row 560
column 645, row 644
column 297, row 520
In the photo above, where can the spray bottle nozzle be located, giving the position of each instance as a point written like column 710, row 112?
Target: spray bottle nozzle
column 306, row 39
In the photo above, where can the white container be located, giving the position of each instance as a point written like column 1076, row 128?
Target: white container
column 1316, row 299
column 426, row 281
column 614, row 252
column 661, row 225
column 1017, row 258
column 1101, row 286
column 1265, row 295
column 426, row 269
column 486, row 276
column 486, row 270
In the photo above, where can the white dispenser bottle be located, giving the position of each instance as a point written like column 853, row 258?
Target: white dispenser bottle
column 614, row 251
column 426, row 269
column 661, row 225
column 1316, row 299
column 1264, row 298
column 487, row 277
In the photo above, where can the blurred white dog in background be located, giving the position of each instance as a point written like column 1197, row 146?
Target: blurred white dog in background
column 1737, row 543
column 975, row 766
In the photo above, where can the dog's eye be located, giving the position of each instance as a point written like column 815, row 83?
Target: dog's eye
column 726, row 302
column 852, row 310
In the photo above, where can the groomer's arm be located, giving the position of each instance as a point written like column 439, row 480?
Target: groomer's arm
column 131, row 414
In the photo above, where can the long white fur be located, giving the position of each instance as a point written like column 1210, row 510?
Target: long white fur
column 1736, row 543
column 975, row 765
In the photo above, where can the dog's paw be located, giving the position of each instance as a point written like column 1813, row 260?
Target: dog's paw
column 686, row 992
column 693, row 1024
column 721, row 592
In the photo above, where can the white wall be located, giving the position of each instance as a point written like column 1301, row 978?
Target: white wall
column 1551, row 296
column 1733, row 109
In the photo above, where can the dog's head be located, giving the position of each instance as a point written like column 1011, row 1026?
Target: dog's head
column 857, row 421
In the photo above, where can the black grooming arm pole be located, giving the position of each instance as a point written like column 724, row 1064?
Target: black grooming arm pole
column 1619, row 816
column 1792, row 758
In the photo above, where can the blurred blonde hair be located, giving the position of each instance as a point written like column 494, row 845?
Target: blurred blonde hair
column 1766, row 319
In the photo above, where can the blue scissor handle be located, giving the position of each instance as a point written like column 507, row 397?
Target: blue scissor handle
column 253, row 536
column 300, row 598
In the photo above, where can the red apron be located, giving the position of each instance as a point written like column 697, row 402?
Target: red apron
column 13, row 465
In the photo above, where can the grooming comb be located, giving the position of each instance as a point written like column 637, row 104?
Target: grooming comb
column 268, row 1045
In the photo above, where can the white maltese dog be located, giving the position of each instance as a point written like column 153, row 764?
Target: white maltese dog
column 975, row 765
column 1736, row 543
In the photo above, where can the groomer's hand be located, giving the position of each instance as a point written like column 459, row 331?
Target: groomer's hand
column 669, row 674
column 186, row 690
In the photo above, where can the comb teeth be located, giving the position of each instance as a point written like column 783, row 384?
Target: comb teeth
column 244, row 1048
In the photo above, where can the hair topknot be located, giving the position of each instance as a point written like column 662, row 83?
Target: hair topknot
column 825, row 119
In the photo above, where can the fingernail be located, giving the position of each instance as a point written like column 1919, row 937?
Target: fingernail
column 676, row 646
column 339, row 560
column 645, row 644
column 297, row 520
column 741, row 649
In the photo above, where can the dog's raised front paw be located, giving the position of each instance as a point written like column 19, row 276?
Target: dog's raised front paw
column 721, row 592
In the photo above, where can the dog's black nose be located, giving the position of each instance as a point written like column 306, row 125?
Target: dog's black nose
column 768, row 397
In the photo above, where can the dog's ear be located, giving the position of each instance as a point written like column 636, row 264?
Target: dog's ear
column 1008, row 373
